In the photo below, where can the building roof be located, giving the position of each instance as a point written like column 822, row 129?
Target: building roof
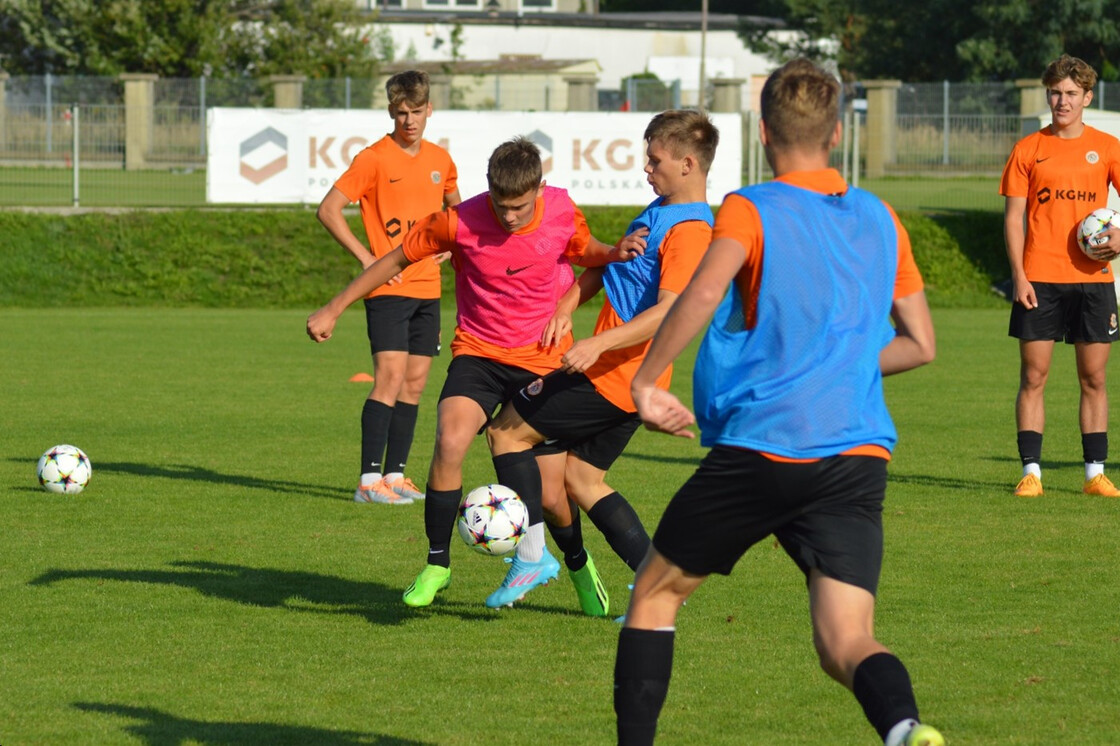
column 521, row 64
column 668, row 20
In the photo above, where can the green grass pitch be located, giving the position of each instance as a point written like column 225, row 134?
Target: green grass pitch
column 214, row 584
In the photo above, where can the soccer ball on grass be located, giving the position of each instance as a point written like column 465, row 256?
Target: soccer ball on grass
column 64, row 469
column 1089, row 229
column 492, row 519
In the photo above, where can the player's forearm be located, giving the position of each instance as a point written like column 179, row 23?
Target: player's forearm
column 914, row 343
column 1015, row 235
column 371, row 278
column 331, row 217
column 641, row 328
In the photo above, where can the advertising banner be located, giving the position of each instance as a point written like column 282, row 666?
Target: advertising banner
column 274, row 156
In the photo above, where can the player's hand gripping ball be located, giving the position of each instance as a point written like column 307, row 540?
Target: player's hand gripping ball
column 492, row 519
column 64, row 469
column 1089, row 231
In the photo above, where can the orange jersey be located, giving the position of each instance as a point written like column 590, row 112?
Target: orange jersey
column 436, row 234
column 394, row 190
column 1063, row 180
column 680, row 252
column 739, row 220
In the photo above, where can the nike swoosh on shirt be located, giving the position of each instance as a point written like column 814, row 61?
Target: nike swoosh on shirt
column 394, row 181
column 511, row 271
column 1040, row 160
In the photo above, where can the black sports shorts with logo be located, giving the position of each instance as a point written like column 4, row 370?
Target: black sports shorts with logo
column 826, row 514
column 568, row 410
column 484, row 381
column 396, row 323
column 1069, row 311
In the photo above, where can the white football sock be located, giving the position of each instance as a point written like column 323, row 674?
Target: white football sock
column 1032, row 468
column 531, row 546
column 370, row 478
column 1092, row 470
column 897, row 735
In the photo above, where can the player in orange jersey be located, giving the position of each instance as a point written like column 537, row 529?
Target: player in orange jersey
column 396, row 181
column 585, row 408
column 1053, row 179
column 512, row 248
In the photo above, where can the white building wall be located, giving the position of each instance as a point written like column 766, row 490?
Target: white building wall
column 620, row 52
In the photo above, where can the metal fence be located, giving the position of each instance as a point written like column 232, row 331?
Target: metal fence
column 941, row 129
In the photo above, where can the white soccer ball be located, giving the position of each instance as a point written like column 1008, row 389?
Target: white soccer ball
column 64, row 469
column 492, row 519
column 1089, row 230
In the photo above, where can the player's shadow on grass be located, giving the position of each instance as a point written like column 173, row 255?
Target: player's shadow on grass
column 663, row 459
column 280, row 589
column 201, row 474
column 159, row 728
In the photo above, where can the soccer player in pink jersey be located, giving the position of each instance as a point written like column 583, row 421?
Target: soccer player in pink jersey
column 512, row 248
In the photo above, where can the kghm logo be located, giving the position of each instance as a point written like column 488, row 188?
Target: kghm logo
column 1045, row 195
column 264, row 155
column 544, row 142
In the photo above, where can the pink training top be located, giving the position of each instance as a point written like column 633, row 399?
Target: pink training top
column 508, row 289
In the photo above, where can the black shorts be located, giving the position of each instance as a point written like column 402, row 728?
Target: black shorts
column 486, row 382
column 573, row 416
column 826, row 514
column 1074, row 312
column 395, row 323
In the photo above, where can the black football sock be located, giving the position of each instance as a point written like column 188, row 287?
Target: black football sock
column 375, row 432
column 882, row 687
column 440, row 510
column 621, row 527
column 1094, row 447
column 1030, row 446
column 570, row 540
column 519, row 471
column 402, row 427
column 642, row 667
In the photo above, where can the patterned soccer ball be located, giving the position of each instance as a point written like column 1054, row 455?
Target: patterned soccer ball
column 1088, row 231
column 64, row 469
column 492, row 519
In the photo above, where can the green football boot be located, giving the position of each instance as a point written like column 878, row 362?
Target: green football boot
column 431, row 580
column 590, row 589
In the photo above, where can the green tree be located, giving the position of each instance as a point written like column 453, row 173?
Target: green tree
column 938, row 39
column 184, row 38
column 1018, row 38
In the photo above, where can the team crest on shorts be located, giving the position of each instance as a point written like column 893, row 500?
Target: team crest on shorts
column 535, row 387
column 1112, row 322
column 436, row 176
column 1092, row 156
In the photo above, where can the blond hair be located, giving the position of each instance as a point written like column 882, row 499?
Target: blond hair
column 411, row 87
column 800, row 105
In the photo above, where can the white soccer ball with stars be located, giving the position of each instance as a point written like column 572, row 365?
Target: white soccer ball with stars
column 1089, row 230
column 492, row 519
column 64, row 469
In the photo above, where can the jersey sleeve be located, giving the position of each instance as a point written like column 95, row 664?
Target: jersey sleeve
column 432, row 235
column 360, row 177
column 907, row 279
column 581, row 236
column 1015, row 181
column 452, row 182
column 682, row 248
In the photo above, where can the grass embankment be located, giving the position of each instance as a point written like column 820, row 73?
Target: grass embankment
column 284, row 258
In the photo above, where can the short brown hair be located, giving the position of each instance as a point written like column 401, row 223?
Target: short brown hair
column 1077, row 70
column 408, row 87
column 685, row 132
column 514, row 168
column 800, row 105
